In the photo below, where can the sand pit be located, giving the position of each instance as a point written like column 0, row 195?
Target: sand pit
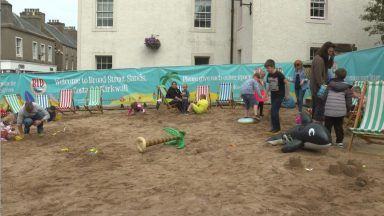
column 225, row 169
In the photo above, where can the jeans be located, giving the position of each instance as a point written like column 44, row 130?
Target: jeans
column 184, row 105
column 300, row 98
column 275, row 119
column 318, row 106
column 29, row 121
column 337, row 123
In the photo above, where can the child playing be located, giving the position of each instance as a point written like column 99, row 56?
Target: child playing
column 337, row 104
column 201, row 106
column 185, row 98
column 278, row 86
column 6, row 130
column 260, row 74
column 136, row 108
column 248, row 90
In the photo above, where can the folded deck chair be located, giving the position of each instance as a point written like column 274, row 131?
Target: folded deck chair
column 355, row 101
column 225, row 95
column 200, row 90
column 66, row 102
column 42, row 100
column 372, row 124
column 94, row 100
column 13, row 101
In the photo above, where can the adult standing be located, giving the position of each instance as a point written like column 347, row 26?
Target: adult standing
column 175, row 94
column 319, row 76
column 300, row 82
column 31, row 114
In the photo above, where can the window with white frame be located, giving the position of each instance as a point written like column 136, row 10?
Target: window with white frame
column 104, row 13
column 42, row 52
column 49, row 53
column 19, row 47
column 103, row 62
column 318, row 9
column 312, row 52
column 203, row 13
column 35, row 51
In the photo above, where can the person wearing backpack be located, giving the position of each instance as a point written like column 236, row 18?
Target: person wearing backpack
column 338, row 102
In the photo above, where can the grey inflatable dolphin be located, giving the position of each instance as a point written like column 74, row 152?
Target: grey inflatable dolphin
column 308, row 135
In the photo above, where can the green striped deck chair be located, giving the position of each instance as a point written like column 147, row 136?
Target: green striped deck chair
column 42, row 100
column 372, row 124
column 13, row 101
column 161, row 97
column 94, row 100
column 225, row 95
column 361, row 85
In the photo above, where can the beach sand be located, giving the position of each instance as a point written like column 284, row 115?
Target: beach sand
column 226, row 168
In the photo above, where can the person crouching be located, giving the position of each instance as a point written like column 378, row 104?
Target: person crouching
column 31, row 114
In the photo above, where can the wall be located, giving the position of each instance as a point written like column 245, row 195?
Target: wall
column 9, row 48
column 291, row 33
column 135, row 20
column 243, row 34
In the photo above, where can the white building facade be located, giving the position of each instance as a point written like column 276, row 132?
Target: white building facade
column 111, row 33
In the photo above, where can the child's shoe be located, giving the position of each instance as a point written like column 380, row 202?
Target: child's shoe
column 340, row 145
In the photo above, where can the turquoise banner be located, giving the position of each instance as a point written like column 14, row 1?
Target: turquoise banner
column 125, row 86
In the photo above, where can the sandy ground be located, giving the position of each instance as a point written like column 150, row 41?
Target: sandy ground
column 225, row 169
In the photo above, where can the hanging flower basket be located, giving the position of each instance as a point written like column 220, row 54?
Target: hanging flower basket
column 152, row 42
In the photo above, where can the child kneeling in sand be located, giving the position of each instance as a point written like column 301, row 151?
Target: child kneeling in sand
column 201, row 106
column 136, row 108
column 7, row 132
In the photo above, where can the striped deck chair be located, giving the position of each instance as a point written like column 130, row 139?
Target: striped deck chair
column 42, row 100
column 180, row 87
column 66, row 102
column 94, row 100
column 200, row 90
column 225, row 95
column 355, row 101
column 372, row 124
column 13, row 101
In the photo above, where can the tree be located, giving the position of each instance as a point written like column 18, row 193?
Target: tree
column 374, row 13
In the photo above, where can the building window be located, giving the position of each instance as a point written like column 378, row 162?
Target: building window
column 42, row 52
column 49, row 53
column 104, row 13
column 35, row 51
column 203, row 13
column 201, row 60
column 312, row 52
column 19, row 47
column 103, row 62
column 318, row 9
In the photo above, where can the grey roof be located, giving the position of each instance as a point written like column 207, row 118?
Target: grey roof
column 60, row 36
column 21, row 23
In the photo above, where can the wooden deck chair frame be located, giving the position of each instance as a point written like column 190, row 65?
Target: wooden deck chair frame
column 226, row 90
column 70, row 105
column 161, row 97
column 356, row 102
column 15, row 98
column 374, row 97
column 207, row 94
column 94, row 102
column 42, row 100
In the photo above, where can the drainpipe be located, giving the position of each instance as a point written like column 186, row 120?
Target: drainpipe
column 232, row 27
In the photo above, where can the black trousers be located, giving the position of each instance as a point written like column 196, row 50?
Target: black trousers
column 337, row 123
column 261, row 105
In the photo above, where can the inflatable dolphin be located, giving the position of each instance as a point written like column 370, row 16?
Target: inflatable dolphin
column 308, row 135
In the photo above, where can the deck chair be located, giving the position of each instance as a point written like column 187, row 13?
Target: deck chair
column 161, row 98
column 372, row 124
column 42, row 100
column 13, row 101
column 225, row 95
column 200, row 90
column 180, row 87
column 66, row 102
column 94, row 100
column 355, row 101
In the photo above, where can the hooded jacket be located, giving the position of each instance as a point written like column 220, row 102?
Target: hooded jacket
column 339, row 98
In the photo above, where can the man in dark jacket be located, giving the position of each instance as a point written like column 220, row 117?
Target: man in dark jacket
column 319, row 76
column 337, row 104
column 175, row 94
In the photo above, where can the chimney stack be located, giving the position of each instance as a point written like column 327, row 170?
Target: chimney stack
column 71, row 31
column 6, row 12
column 59, row 25
column 34, row 16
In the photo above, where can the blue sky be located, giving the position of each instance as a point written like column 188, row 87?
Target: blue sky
column 63, row 10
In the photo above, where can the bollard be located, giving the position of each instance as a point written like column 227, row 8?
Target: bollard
column 176, row 138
